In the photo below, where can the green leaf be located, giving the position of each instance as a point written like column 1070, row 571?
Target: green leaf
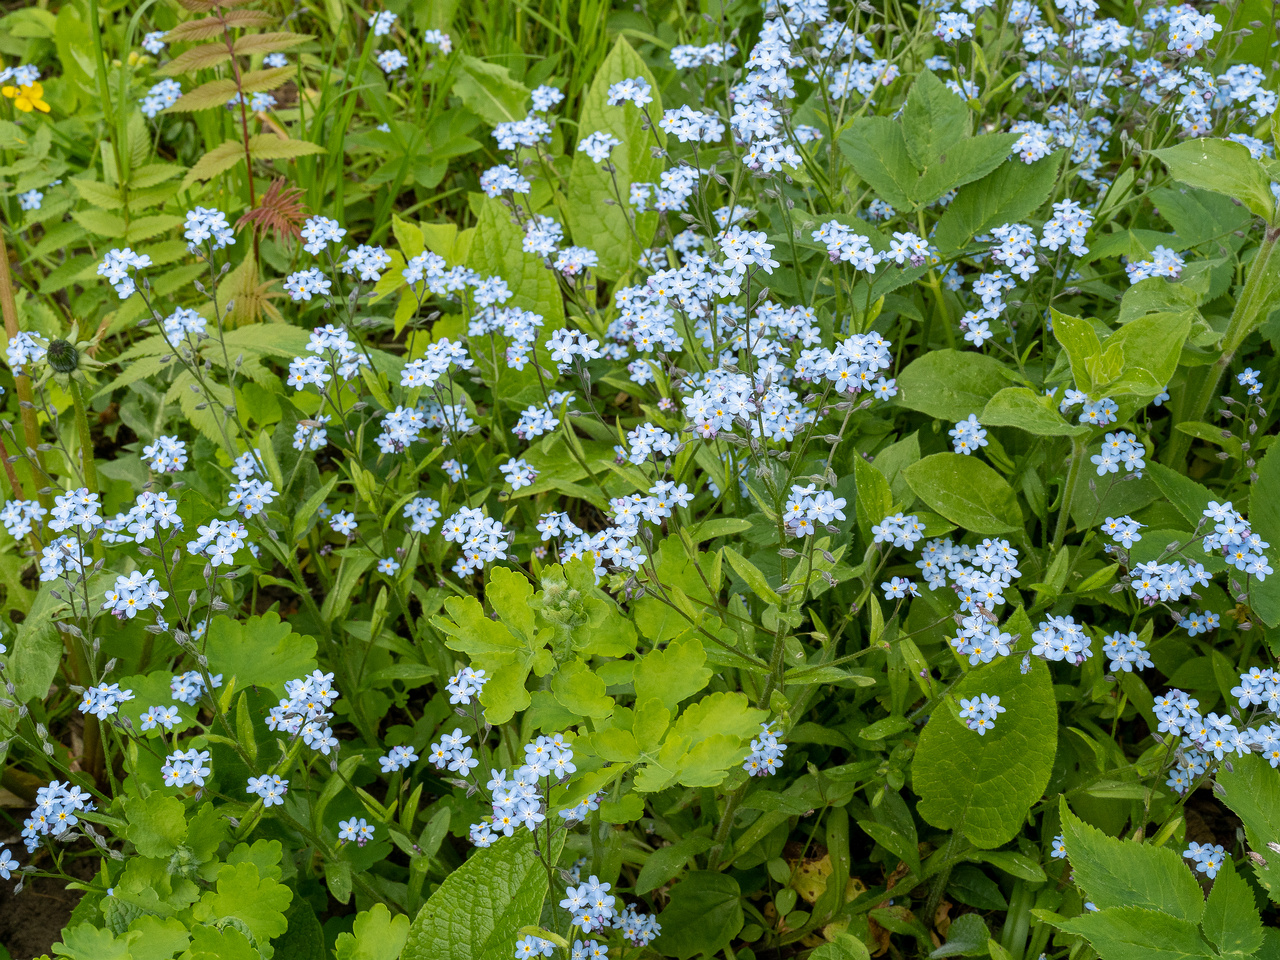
column 1133, row 933
column 157, row 824
column 664, row 863
column 966, row 491
column 703, row 914
column 262, row 651
column 1029, row 411
column 1152, row 345
column 1264, row 517
column 673, row 674
column 498, row 250
column 224, row 943
column 597, row 217
column 489, row 91
column 580, row 691
column 877, row 151
column 950, row 384
column 259, row 901
column 983, row 786
column 37, row 649
column 1252, row 791
column 845, row 946
column 1080, row 340
column 376, row 935
column 754, row 578
column 474, row 913
column 1010, row 193
column 963, row 163
column 1231, row 920
column 304, row 940
column 1222, row 166
column 1125, row 873
column 1187, row 496
column 700, row 748
column 967, row 937
column 933, row 120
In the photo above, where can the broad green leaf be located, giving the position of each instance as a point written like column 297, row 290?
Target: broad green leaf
column 1252, row 791
column 877, row 151
column 498, row 250
column 1125, row 873
column 672, row 674
column 1010, row 193
column 258, row 901
column 933, row 120
column 37, row 648
column 475, row 913
column 1080, row 340
column 950, row 384
column 1152, row 345
column 376, row 935
column 488, row 90
column 845, row 946
column 1190, row 498
column 752, row 575
column 967, row 937
column 875, row 498
column 1264, row 517
column 708, row 739
column 598, row 217
column 1231, row 920
column 263, row 651
column 1222, row 166
column 967, row 492
column 1198, row 216
column 983, row 785
column 1134, row 933
column 221, row 943
column 157, row 823
column 580, row 691
column 703, row 914
column 664, row 863
column 962, row 163
column 1029, row 411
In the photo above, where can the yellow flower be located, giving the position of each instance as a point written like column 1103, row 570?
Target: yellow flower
column 28, row 98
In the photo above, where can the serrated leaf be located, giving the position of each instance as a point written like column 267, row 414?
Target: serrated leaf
column 375, row 935
column 877, row 151
column 1231, row 920
column 673, row 674
column 1222, row 166
column 1125, row 873
column 1252, row 790
column 196, row 58
column 1132, row 933
column 1010, row 193
column 262, row 651
column 255, row 43
column 474, row 913
column 216, row 93
column 208, row 27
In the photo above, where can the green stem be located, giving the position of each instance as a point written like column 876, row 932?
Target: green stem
column 90, row 468
column 1078, row 449
column 1261, row 291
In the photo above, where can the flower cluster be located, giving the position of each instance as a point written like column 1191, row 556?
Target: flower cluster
column 979, row 713
column 968, row 436
column 184, row 767
column 56, row 812
column 765, row 758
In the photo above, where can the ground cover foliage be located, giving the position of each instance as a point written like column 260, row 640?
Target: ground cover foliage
column 585, row 480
